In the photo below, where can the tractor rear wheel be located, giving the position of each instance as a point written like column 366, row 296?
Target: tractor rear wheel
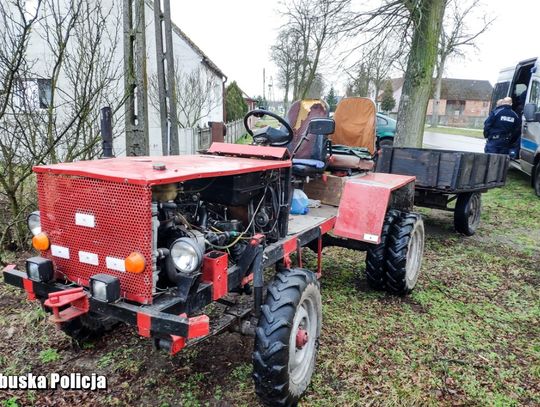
column 87, row 327
column 467, row 213
column 376, row 254
column 287, row 338
column 404, row 253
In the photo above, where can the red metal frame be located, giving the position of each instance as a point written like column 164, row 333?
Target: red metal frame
column 214, row 271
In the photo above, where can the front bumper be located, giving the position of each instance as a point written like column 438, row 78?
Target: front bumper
column 158, row 320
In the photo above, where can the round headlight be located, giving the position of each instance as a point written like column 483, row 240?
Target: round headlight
column 186, row 254
column 34, row 223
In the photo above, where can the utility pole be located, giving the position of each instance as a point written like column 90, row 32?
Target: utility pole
column 166, row 79
column 264, row 85
column 135, row 79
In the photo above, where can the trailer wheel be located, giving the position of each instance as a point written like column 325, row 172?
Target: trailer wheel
column 376, row 254
column 87, row 327
column 404, row 253
column 287, row 338
column 467, row 213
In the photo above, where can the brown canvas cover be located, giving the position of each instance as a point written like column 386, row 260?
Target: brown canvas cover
column 355, row 123
column 299, row 115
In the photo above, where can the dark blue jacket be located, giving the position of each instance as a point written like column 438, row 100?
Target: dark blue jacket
column 503, row 121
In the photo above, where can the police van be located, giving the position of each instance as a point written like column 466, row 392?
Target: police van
column 522, row 84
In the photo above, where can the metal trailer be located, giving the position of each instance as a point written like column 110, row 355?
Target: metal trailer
column 443, row 177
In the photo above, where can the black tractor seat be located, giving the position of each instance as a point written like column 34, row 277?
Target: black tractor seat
column 305, row 166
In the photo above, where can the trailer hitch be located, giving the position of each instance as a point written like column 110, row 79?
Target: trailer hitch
column 75, row 299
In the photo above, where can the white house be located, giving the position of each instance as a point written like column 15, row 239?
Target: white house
column 189, row 59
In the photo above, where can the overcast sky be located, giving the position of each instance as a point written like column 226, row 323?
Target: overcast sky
column 237, row 36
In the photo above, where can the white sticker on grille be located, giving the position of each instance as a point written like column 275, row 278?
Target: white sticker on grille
column 83, row 219
column 115, row 264
column 89, row 258
column 371, row 238
column 59, row 251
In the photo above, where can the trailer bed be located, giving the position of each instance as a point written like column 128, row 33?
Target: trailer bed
column 446, row 171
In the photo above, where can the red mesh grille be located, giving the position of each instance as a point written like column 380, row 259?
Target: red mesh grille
column 123, row 224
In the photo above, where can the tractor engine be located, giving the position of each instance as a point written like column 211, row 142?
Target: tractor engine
column 223, row 213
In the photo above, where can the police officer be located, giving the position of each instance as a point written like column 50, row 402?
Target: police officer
column 502, row 128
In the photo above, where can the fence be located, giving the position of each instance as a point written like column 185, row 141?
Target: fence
column 194, row 139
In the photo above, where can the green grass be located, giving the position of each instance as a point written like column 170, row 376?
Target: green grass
column 468, row 334
column 476, row 133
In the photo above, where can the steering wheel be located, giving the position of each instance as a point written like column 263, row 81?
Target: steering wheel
column 272, row 136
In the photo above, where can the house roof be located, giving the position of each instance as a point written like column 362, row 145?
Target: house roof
column 466, row 89
column 457, row 89
column 205, row 59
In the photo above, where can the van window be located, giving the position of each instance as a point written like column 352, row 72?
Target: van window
column 500, row 91
column 534, row 96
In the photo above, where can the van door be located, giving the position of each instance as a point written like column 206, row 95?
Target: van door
column 530, row 136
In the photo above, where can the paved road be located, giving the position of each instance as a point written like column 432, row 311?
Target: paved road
column 442, row 141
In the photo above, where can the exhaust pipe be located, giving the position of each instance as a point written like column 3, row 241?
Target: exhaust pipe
column 106, row 132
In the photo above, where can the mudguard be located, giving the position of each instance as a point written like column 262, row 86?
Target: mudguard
column 364, row 203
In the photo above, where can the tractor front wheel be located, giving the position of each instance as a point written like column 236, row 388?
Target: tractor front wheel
column 376, row 254
column 287, row 338
column 405, row 248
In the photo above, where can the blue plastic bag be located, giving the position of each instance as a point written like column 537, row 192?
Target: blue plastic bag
column 300, row 203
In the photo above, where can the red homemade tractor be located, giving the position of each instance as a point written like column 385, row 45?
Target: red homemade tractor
column 152, row 241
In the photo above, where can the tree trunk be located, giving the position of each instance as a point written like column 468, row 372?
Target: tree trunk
column 427, row 20
column 437, row 95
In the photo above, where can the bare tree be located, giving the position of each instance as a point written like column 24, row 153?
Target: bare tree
column 456, row 36
column 65, row 73
column 285, row 54
column 372, row 68
column 196, row 95
column 313, row 25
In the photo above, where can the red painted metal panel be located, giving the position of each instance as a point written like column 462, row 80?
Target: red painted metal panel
column 144, row 324
column 364, row 203
column 327, row 225
column 247, row 150
column 28, row 287
column 290, row 245
column 123, row 224
column 140, row 170
column 199, row 326
column 214, row 270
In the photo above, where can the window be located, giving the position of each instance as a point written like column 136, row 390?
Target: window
column 500, row 91
column 33, row 94
column 534, row 96
column 381, row 121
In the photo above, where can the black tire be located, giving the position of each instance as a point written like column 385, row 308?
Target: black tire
column 405, row 247
column 386, row 142
column 87, row 327
column 467, row 213
column 376, row 254
column 536, row 179
column 281, row 377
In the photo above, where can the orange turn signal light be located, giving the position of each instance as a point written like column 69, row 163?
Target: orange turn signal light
column 135, row 263
column 41, row 242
